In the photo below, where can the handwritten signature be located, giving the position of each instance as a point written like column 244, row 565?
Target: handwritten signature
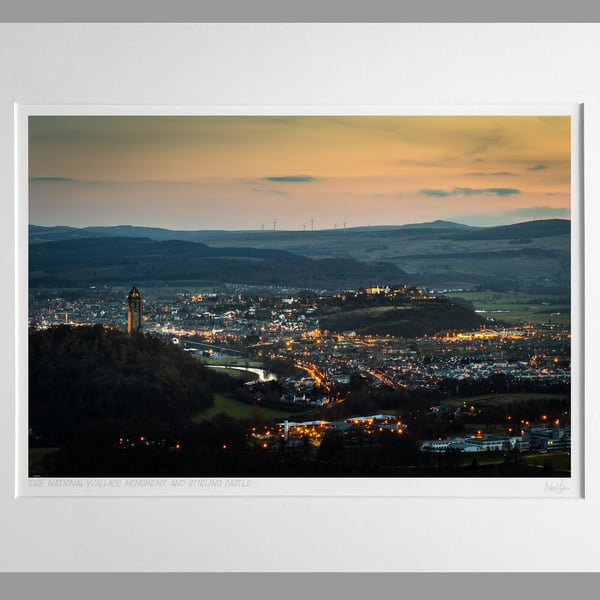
column 556, row 487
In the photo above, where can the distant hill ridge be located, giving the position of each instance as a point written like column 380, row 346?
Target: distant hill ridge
column 437, row 224
column 529, row 229
column 38, row 233
column 530, row 256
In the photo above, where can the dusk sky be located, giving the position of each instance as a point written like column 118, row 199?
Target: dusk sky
column 244, row 172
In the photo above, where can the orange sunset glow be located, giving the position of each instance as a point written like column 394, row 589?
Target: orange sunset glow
column 253, row 172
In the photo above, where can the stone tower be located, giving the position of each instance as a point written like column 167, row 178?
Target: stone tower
column 134, row 315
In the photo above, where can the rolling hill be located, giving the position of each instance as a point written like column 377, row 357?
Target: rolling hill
column 533, row 256
column 84, row 262
column 404, row 318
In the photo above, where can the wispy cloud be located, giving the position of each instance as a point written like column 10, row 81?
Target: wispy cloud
column 537, row 168
column 269, row 191
column 497, row 191
column 50, row 179
column 122, row 182
column 436, row 193
column 465, row 191
column 496, row 174
column 292, row 179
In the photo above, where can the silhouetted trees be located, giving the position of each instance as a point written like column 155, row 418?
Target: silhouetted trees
column 96, row 383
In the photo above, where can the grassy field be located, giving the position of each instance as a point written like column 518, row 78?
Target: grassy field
column 237, row 410
column 518, row 307
column 560, row 461
column 233, row 362
column 236, row 373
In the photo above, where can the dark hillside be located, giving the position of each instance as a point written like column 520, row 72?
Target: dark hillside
column 414, row 318
column 117, row 260
column 95, row 385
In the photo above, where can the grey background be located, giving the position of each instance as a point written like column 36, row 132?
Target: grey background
column 299, row 586
column 300, row 11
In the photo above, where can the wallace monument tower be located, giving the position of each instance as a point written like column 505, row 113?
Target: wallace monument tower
column 134, row 315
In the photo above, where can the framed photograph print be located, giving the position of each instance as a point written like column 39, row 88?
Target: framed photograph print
column 309, row 280
column 270, row 350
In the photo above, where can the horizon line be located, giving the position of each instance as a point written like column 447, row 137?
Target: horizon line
column 306, row 229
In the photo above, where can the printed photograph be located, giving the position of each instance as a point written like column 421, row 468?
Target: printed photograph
column 299, row 296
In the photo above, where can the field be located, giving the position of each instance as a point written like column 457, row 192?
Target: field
column 233, row 362
column 530, row 463
column 226, row 366
column 498, row 464
column 237, row 410
column 559, row 461
column 518, row 307
column 236, row 373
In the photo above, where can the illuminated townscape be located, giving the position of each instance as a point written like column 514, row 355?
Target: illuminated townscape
column 320, row 377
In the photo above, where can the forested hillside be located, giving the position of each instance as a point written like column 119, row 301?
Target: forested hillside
column 93, row 383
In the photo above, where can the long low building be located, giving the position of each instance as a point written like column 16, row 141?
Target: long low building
column 477, row 443
column 550, row 439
